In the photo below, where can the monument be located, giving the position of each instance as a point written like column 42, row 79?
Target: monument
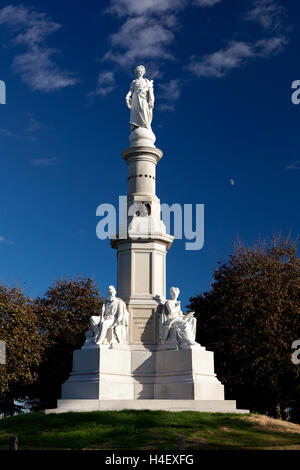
column 141, row 352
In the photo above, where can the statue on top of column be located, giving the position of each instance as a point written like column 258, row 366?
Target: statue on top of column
column 140, row 101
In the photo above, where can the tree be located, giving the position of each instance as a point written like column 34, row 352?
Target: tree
column 18, row 330
column 63, row 318
column 250, row 318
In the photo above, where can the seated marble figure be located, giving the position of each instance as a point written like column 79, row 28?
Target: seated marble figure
column 111, row 325
column 172, row 320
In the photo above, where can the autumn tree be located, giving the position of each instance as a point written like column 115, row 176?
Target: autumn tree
column 250, row 318
column 19, row 332
column 63, row 318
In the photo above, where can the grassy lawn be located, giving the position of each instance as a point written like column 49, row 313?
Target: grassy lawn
column 158, row 430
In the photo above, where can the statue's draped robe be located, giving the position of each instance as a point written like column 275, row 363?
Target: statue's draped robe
column 141, row 95
column 115, row 309
column 113, row 314
column 185, row 325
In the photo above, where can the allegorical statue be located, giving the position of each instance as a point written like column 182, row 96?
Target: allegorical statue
column 111, row 325
column 172, row 318
column 140, row 101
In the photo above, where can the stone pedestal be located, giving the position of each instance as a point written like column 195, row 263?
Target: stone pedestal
column 210, row 406
column 136, row 377
column 141, row 279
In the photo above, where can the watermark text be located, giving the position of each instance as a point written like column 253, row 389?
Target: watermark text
column 142, row 220
column 2, row 92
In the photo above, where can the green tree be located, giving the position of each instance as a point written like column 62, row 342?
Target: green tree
column 250, row 318
column 18, row 330
column 63, row 318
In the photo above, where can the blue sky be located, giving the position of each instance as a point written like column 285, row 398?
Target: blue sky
column 222, row 73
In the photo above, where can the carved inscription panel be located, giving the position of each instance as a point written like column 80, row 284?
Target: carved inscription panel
column 142, row 326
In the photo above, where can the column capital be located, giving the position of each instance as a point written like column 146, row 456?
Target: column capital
column 144, row 152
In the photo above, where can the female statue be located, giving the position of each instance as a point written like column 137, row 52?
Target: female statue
column 140, row 100
column 172, row 317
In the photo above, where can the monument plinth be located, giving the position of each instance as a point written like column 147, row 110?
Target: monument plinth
column 141, row 352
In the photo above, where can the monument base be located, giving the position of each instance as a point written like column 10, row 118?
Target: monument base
column 210, row 406
column 134, row 377
column 132, row 373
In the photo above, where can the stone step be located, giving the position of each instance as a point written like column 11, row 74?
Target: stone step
column 211, row 406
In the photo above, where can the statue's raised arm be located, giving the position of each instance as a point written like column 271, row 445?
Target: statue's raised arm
column 140, row 100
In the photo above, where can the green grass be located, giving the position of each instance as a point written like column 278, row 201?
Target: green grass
column 135, row 430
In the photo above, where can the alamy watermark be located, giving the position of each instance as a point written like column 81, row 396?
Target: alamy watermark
column 296, row 94
column 2, row 353
column 296, row 354
column 141, row 220
column 2, row 92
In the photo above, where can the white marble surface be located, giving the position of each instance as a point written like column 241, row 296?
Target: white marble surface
column 140, row 99
column 141, row 136
column 211, row 406
column 131, row 373
column 172, row 319
column 111, row 325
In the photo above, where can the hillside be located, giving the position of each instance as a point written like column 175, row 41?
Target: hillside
column 159, row 430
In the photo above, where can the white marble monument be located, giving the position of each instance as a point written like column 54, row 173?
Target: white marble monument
column 141, row 352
